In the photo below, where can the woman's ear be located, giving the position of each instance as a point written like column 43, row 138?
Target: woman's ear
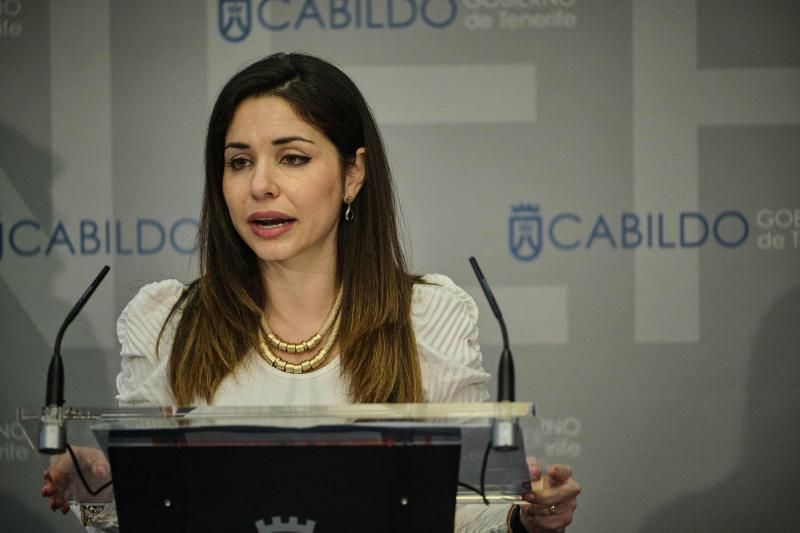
column 356, row 173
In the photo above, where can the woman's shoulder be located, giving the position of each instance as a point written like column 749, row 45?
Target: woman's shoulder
column 437, row 294
column 142, row 379
column 442, row 312
column 158, row 294
column 142, row 319
column 154, row 298
column 445, row 319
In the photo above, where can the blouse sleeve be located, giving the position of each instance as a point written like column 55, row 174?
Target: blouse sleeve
column 143, row 375
column 445, row 322
column 142, row 379
column 446, row 326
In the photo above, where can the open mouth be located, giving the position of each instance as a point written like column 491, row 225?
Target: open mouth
column 272, row 222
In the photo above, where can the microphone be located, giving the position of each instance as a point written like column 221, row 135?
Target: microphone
column 52, row 434
column 502, row 430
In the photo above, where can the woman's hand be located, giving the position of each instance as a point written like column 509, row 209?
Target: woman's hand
column 61, row 481
column 552, row 501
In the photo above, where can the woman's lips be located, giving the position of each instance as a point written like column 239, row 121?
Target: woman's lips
column 270, row 224
column 269, row 231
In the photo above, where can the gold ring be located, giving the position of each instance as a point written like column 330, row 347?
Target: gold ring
column 552, row 509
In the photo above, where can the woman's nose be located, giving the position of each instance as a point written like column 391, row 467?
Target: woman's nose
column 264, row 183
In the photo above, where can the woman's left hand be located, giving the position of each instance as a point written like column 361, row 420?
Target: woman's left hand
column 553, row 503
column 61, row 481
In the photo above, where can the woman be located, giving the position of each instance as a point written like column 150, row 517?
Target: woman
column 304, row 296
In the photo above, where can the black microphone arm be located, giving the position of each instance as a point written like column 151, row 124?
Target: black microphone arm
column 502, row 429
column 52, row 434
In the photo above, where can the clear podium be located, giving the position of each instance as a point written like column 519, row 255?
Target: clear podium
column 360, row 467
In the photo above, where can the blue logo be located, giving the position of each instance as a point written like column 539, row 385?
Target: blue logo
column 235, row 20
column 142, row 236
column 529, row 230
column 525, row 232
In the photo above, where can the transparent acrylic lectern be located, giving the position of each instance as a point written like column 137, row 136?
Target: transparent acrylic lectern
column 360, row 467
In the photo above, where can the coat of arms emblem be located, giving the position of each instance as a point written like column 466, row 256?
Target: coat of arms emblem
column 525, row 232
column 234, row 19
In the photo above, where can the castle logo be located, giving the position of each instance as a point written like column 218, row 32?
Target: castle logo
column 235, row 20
column 525, row 232
column 277, row 525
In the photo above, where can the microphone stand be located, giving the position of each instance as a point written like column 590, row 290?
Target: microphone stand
column 503, row 437
column 52, row 433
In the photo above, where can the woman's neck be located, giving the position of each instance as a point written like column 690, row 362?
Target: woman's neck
column 298, row 301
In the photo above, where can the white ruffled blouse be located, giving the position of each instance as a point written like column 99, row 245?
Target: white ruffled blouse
column 445, row 320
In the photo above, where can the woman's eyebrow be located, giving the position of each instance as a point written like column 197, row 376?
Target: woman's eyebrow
column 240, row 146
column 287, row 140
column 276, row 142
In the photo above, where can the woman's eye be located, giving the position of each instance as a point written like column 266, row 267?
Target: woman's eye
column 238, row 163
column 295, row 160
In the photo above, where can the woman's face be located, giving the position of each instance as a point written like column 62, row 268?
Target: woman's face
column 283, row 185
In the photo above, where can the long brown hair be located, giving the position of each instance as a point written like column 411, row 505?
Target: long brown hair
column 221, row 311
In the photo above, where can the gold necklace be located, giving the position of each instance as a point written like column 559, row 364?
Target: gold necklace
column 312, row 341
column 306, row 365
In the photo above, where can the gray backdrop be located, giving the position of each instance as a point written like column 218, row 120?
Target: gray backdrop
column 625, row 171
